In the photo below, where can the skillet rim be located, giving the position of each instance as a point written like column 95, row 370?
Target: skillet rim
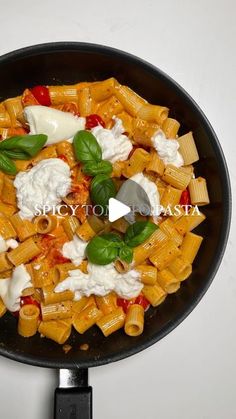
column 54, row 47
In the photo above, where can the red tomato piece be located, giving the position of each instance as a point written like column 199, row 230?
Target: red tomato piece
column 62, row 157
column 185, row 198
column 93, row 120
column 57, row 257
column 28, row 299
column 41, row 94
column 125, row 304
column 142, row 301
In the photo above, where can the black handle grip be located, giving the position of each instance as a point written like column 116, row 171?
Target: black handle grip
column 73, row 399
column 73, row 403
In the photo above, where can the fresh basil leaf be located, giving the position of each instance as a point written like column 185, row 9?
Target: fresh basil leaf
column 86, row 147
column 93, row 168
column 118, row 242
column 7, row 165
column 101, row 190
column 126, row 253
column 138, row 232
column 101, row 251
column 17, row 155
column 29, row 144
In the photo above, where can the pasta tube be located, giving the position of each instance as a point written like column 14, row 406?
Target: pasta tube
column 153, row 113
column 198, row 191
column 168, row 281
column 8, row 195
column 188, row 149
column 162, row 257
column 111, row 322
column 137, row 162
column 24, row 252
column 56, row 311
column 28, row 320
column 106, row 304
column 181, row 268
column 3, row 308
column 129, row 99
column 78, row 306
column 44, row 224
column 5, row 264
column 134, row 321
column 170, row 197
column 168, row 227
column 59, row 331
column 51, row 297
column 154, row 294
column 85, row 102
column 109, row 108
column 155, row 164
column 48, row 152
column 176, row 177
column 143, row 132
column 86, row 318
column 7, row 230
column 70, row 225
column 24, row 228
column 147, row 248
column 63, row 94
column 14, row 108
column 190, row 246
column 189, row 222
column 170, row 127
column 66, row 149
column 102, row 90
column 148, row 274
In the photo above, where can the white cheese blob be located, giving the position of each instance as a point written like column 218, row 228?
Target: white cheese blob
column 144, row 198
column 7, row 244
column 167, row 149
column 42, row 187
column 75, row 250
column 11, row 288
column 57, row 125
column 115, row 146
column 101, row 280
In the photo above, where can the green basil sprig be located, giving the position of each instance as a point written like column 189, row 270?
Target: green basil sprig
column 138, row 232
column 21, row 147
column 7, row 165
column 93, row 168
column 106, row 248
column 101, row 190
column 88, row 151
column 28, row 144
column 86, row 147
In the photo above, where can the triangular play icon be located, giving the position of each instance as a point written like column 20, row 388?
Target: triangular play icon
column 117, row 209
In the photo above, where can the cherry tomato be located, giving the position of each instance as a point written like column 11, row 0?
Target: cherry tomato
column 142, row 301
column 125, row 304
column 185, row 198
column 41, row 94
column 94, row 120
column 28, row 299
column 56, row 257
column 62, row 157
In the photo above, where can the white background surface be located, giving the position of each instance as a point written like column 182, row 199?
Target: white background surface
column 191, row 373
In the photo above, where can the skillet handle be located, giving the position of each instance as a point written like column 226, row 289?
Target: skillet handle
column 73, row 397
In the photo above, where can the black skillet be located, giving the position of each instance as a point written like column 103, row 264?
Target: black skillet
column 70, row 62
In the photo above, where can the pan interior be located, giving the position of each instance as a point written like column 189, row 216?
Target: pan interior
column 65, row 63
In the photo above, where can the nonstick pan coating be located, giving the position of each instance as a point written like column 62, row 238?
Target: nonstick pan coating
column 69, row 62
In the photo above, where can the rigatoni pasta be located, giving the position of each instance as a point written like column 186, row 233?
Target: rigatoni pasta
column 61, row 284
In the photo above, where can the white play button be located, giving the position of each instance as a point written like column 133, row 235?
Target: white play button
column 117, row 209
